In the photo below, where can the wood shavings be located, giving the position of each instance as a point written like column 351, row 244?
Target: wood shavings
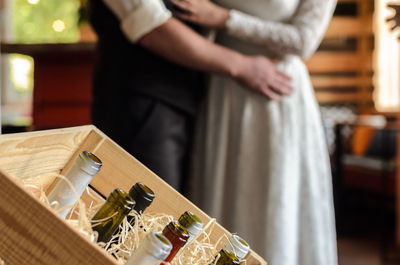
column 199, row 251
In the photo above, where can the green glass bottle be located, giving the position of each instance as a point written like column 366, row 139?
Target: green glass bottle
column 107, row 220
column 143, row 197
column 237, row 246
column 191, row 222
column 227, row 258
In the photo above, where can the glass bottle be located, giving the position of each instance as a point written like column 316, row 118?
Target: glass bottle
column 85, row 167
column 191, row 222
column 177, row 235
column 108, row 218
column 237, row 246
column 154, row 247
column 143, row 197
column 226, row 258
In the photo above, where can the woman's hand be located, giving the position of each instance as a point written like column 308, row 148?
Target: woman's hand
column 260, row 74
column 202, row 12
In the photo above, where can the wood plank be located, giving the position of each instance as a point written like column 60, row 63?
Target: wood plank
column 28, row 155
column 33, row 234
column 339, row 62
column 349, row 27
column 339, row 81
column 336, row 97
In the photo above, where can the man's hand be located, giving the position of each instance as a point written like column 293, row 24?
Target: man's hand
column 202, row 12
column 395, row 19
column 260, row 74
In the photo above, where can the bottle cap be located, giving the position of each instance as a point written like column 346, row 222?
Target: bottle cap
column 238, row 246
column 157, row 245
column 191, row 222
column 143, row 196
column 89, row 163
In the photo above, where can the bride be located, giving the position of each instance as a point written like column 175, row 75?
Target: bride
column 261, row 167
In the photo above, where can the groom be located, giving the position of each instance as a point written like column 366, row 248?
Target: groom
column 146, row 93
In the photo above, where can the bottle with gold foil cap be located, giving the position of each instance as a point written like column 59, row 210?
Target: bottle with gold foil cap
column 191, row 222
column 177, row 235
column 153, row 248
column 108, row 218
column 226, row 258
column 85, row 167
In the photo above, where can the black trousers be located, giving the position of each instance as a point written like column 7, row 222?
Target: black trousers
column 157, row 134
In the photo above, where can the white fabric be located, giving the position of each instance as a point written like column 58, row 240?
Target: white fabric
column 139, row 17
column 261, row 167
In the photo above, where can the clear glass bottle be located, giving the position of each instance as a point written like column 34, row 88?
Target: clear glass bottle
column 237, row 246
column 177, row 235
column 192, row 223
column 154, row 247
column 143, row 197
column 85, row 167
column 108, row 218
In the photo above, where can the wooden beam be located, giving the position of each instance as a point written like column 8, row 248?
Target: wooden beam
column 339, row 82
column 335, row 97
column 339, row 62
column 349, row 27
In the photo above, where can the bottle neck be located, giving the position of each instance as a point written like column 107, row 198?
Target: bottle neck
column 143, row 196
column 121, row 201
column 191, row 222
column 176, row 231
column 227, row 258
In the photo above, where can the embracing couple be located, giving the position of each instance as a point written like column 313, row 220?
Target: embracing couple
column 259, row 162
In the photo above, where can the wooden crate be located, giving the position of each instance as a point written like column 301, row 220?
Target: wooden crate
column 33, row 234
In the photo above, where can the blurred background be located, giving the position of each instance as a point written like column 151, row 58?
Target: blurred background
column 47, row 54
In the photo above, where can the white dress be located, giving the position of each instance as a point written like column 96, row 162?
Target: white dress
column 261, row 167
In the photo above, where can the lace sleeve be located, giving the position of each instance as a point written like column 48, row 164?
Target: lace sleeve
column 300, row 36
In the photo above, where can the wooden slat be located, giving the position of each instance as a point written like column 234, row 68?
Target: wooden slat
column 349, row 27
column 40, row 154
column 336, row 62
column 338, row 97
column 339, row 82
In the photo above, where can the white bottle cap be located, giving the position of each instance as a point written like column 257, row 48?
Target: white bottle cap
column 157, row 245
column 191, row 222
column 237, row 246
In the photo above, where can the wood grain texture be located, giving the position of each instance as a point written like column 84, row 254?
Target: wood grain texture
column 339, row 62
column 28, row 155
column 349, row 27
column 32, row 234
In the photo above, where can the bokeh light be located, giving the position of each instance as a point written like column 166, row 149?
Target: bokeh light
column 58, row 25
column 33, row 2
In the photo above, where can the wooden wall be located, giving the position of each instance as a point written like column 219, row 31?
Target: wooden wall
column 341, row 70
